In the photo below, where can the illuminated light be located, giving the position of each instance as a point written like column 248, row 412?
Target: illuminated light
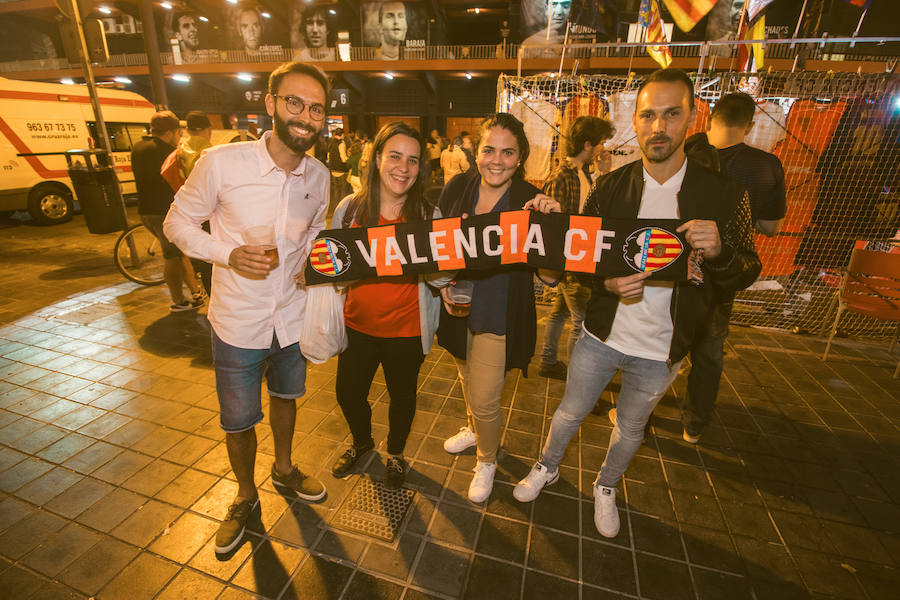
column 477, row 11
column 468, row 76
column 897, row 102
column 232, row 1
column 124, row 80
column 105, row 10
column 204, row 19
column 332, row 11
column 265, row 15
column 67, row 81
column 388, row 75
column 181, row 78
column 245, row 76
column 166, row 5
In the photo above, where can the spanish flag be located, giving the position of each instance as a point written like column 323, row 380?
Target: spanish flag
column 687, row 13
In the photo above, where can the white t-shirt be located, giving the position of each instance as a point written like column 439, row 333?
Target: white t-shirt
column 768, row 126
column 623, row 147
column 540, row 119
column 643, row 327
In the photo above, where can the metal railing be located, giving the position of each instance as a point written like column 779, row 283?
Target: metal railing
column 847, row 49
column 843, row 49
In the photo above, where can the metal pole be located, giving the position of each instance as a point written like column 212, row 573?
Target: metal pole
column 858, row 25
column 704, row 51
column 95, row 103
column 154, row 64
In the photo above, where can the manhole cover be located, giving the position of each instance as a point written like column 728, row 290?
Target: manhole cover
column 372, row 509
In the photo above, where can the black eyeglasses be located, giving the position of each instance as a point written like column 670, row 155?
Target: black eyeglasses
column 296, row 105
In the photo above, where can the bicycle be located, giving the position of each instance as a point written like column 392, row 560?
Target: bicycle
column 138, row 256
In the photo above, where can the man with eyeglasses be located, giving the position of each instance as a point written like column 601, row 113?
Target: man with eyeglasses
column 256, row 309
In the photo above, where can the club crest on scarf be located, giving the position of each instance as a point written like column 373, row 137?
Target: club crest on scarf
column 329, row 257
column 651, row 249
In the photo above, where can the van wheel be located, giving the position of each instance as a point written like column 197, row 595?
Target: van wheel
column 50, row 203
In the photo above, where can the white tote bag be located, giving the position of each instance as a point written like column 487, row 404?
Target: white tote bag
column 323, row 334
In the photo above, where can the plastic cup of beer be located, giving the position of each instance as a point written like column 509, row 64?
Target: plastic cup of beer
column 263, row 236
column 460, row 295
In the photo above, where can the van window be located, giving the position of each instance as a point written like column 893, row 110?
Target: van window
column 122, row 136
column 118, row 137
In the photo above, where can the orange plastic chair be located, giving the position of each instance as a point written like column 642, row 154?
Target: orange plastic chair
column 871, row 286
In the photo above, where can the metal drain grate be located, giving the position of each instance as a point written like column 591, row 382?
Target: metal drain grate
column 372, row 509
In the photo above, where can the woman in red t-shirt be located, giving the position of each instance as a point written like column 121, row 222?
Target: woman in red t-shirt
column 390, row 320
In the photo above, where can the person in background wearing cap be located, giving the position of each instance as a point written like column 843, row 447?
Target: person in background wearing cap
column 154, row 197
column 182, row 162
column 199, row 135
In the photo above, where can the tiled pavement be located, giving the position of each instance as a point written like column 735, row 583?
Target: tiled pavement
column 113, row 470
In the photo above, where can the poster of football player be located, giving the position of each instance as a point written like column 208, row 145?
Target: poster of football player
column 313, row 30
column 389, row 26
column 536, row 14
column 187, row 35
column 253, row 30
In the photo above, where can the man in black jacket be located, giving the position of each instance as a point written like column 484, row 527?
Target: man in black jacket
column 641, row 327
column 762, row 175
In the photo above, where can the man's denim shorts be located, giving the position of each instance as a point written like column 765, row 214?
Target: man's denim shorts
column 239, row 373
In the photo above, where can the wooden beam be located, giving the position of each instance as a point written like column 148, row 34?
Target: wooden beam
column 27, row 6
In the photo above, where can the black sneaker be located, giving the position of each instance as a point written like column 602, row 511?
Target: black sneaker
column 197, row 300
column 295, row 483
column 231, row 531
column 395, row 472
column 343, row 466
column 557, row 370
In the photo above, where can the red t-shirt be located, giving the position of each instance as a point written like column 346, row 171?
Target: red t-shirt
column 386, row 307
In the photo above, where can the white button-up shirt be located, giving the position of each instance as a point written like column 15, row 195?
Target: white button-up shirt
column 235, row 187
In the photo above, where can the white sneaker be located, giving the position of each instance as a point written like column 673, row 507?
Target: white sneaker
column 537, row 479
column 482, row 482
column 459, row 442
column 606, row 514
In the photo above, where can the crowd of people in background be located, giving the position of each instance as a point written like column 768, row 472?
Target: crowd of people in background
column 284, row 185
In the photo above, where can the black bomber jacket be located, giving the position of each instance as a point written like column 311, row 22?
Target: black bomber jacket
column 705, row 194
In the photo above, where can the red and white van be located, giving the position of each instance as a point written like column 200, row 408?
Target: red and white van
column 49, row 117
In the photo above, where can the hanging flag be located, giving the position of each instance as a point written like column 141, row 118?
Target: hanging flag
column 860, row 3
column 751, row 57
column 687, row 13
column 755, row 9
column 649, row 19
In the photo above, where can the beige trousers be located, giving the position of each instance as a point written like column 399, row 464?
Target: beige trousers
column 482, row 375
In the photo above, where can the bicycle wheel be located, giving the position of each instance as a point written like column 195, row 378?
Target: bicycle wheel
column 139, row 256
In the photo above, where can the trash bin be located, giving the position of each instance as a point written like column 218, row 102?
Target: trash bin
column 97, row 190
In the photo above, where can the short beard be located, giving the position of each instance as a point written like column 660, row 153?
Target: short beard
column 660, row 158
column 296, row 145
